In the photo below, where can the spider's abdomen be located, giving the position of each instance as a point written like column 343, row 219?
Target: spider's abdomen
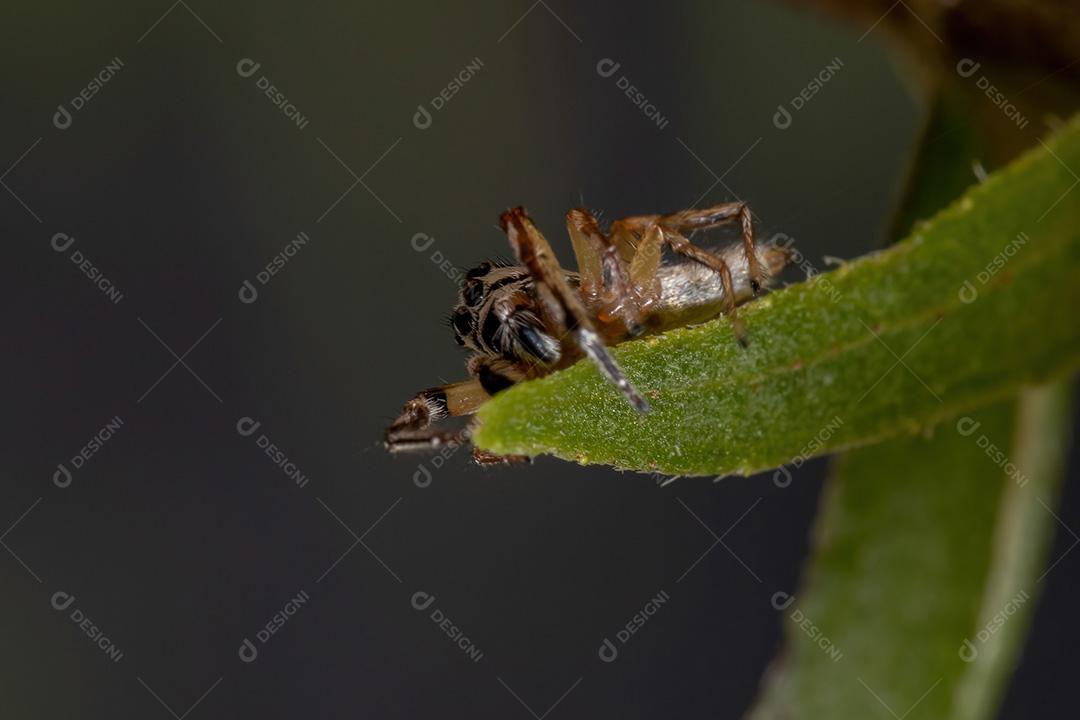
column 692, row 293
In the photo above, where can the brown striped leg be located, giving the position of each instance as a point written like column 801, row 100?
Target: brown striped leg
column 645, row 266
column 715, row 216
column 605, row 277
column 412, row 430
column 684, row 247
column 687, row 221
column 589, row 247
column 560, row 303
column 483, row 457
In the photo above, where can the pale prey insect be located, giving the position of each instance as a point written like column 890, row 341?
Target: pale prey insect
column 527, row 320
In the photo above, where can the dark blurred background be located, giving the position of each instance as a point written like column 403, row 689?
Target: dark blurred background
column 179, row 180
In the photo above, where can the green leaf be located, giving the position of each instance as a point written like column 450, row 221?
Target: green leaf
column 928, row 561
column 887, row 344
column 977, row 572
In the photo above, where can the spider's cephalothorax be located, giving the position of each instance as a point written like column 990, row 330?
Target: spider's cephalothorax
column 527, row 320
column 497, row 316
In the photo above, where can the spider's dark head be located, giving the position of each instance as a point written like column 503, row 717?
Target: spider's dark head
column 496, row 315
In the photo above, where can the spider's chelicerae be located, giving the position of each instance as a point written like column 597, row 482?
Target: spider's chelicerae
column 527, row 320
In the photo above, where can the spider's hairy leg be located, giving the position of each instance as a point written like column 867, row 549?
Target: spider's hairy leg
column 684, row 247
column 412, row 429
column 483, row 457
column 560, row 302
column 604, row 273
column 589, row 246
column 644, row 263
column 624, row 230
column 687, row 221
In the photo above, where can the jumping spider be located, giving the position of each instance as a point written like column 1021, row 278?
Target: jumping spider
column 531, row 319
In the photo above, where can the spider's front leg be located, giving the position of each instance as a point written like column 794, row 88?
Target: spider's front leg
column 412, row 429
column 560, row 303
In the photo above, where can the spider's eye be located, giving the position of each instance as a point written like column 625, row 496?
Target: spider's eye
column 463, row 322
column 482, row 269
column 473, row 293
